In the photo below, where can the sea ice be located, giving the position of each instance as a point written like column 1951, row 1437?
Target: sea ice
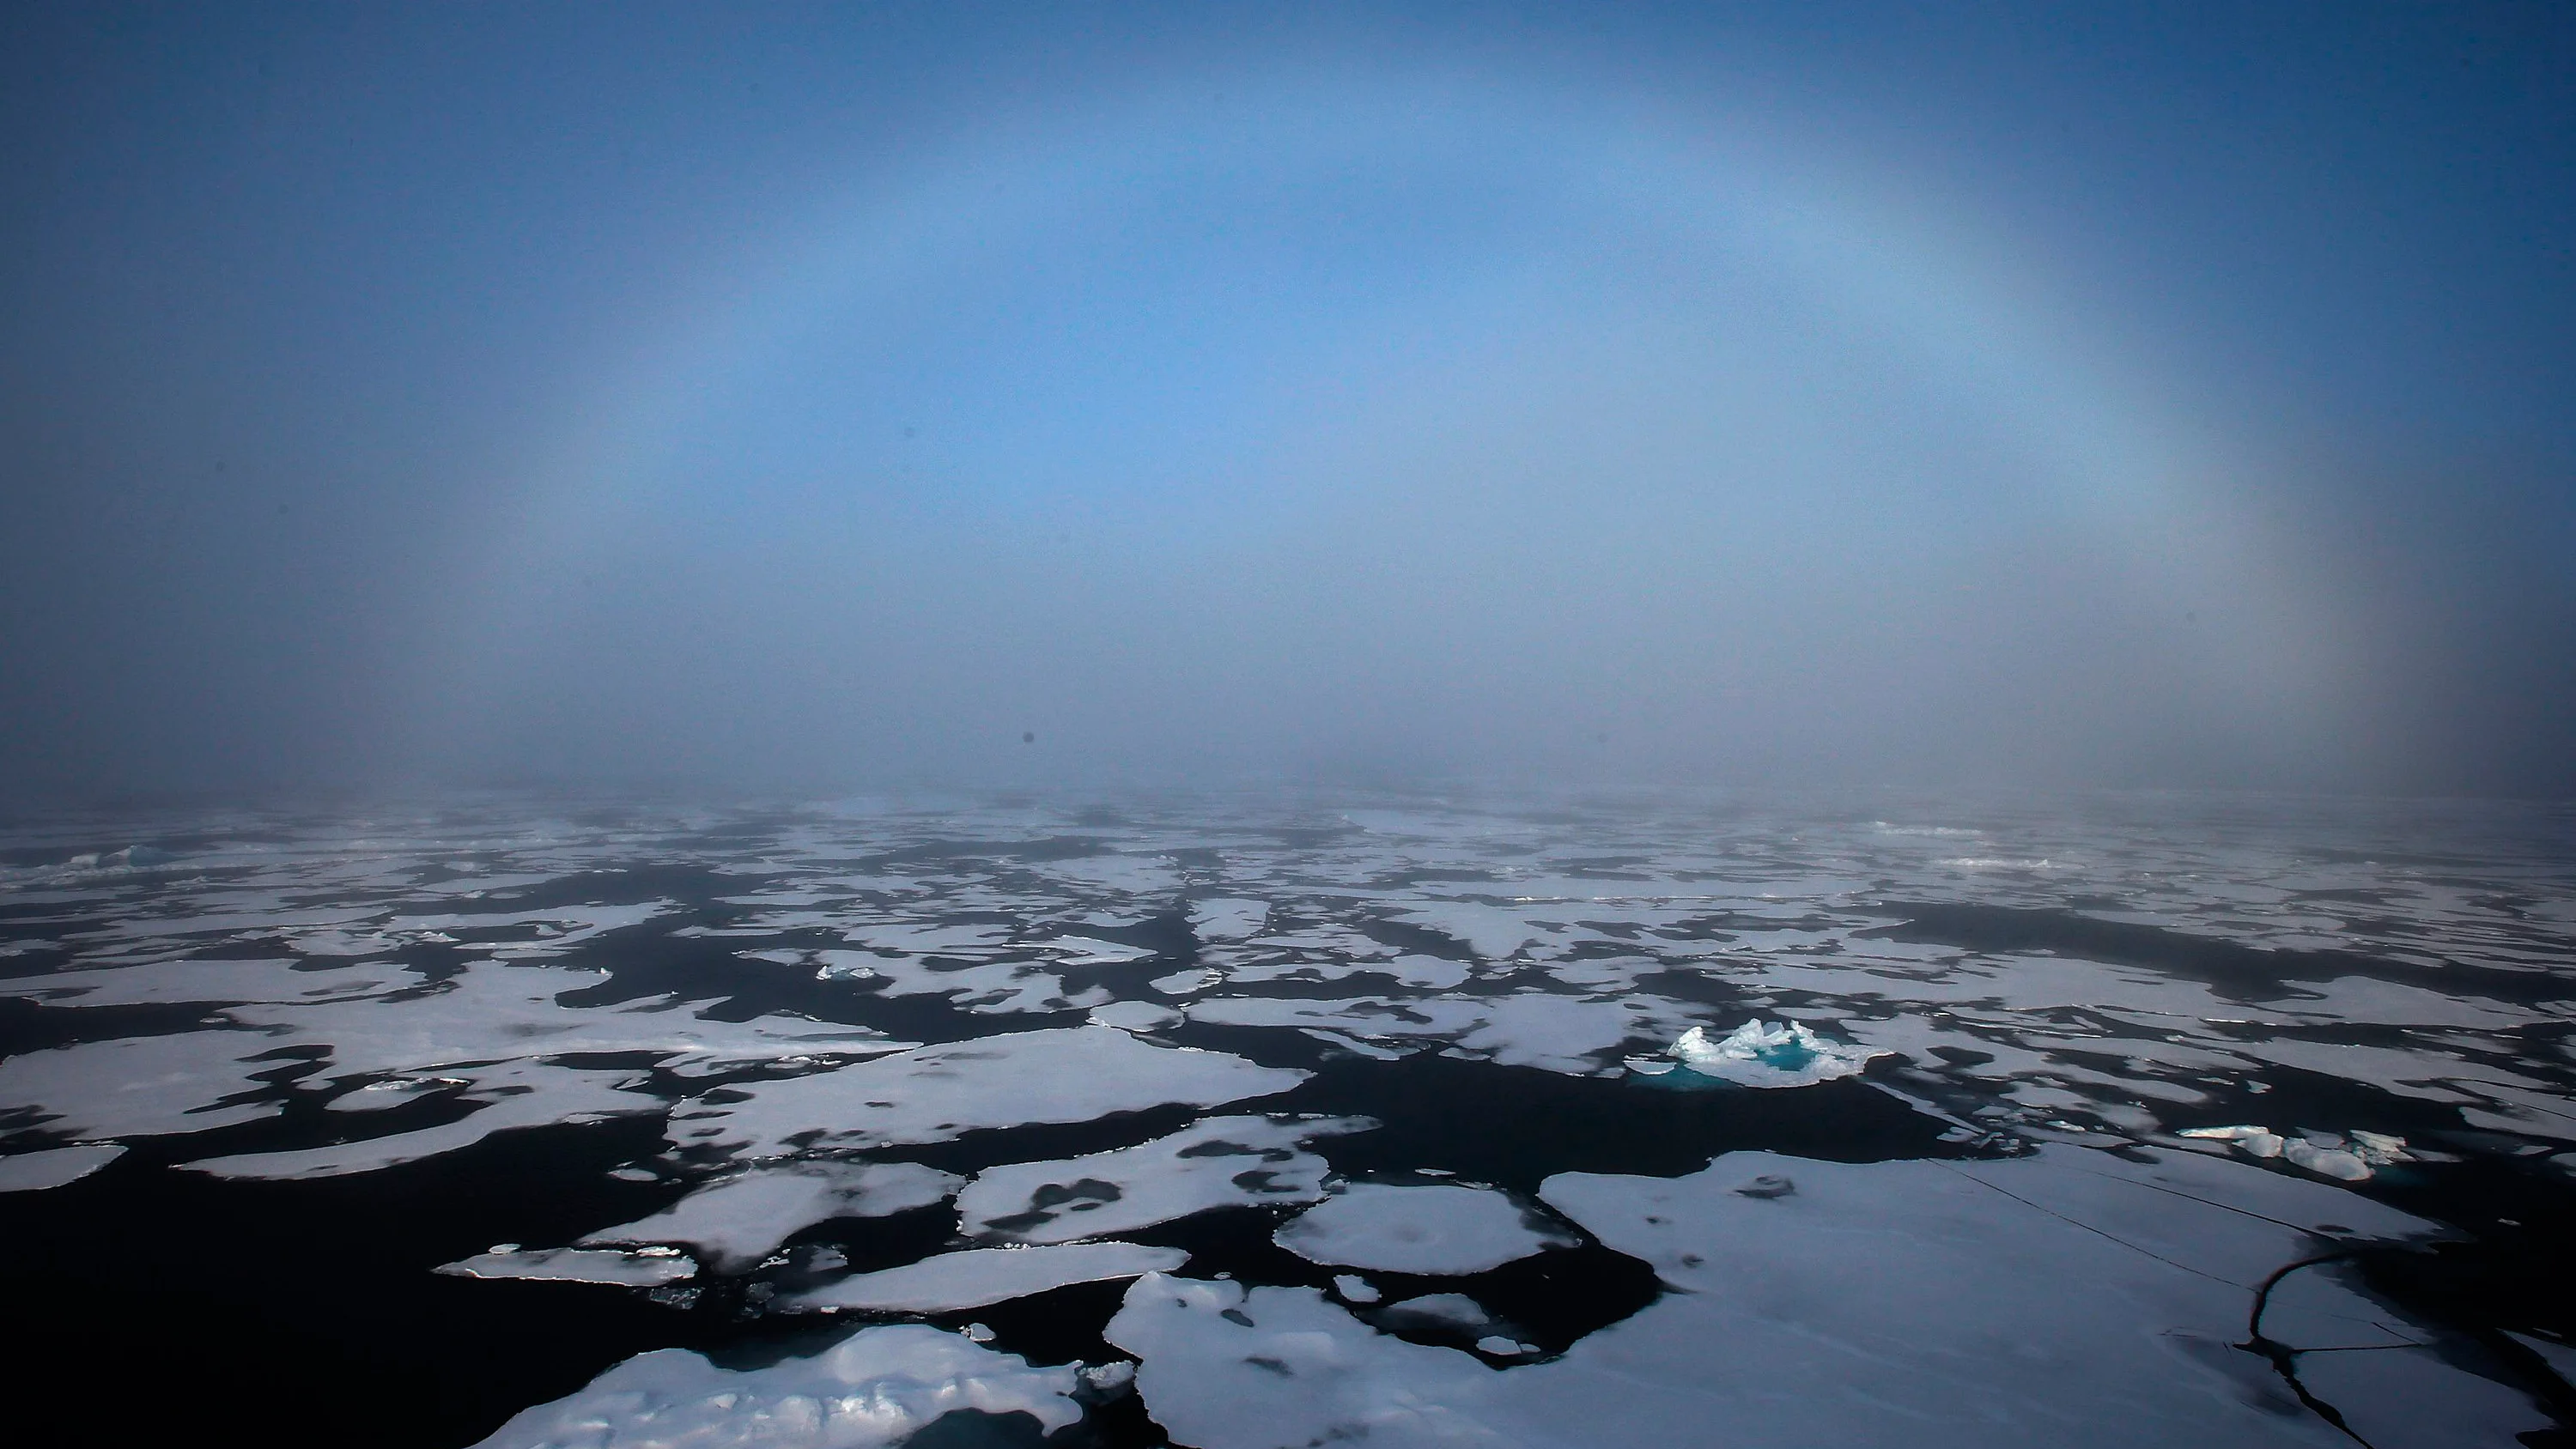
column 979, row 1276
column 140, row 1086
column 643, row 1269
column 2252, row 1141
column 1227, row 918
column 1135, row 1016
column 1223, row 1367
column 52, row 1167
column 166, row 982
column 1439, row 1229
column 876, row 1388
column 1219, row 1162
column 937, row 1093
column 1755, row 1055
column 514, row 1095
column 736, row 1221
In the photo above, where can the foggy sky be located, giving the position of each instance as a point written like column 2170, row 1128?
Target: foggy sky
column 829, row 398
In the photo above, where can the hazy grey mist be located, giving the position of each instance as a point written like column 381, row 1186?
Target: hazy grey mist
column 845, row 398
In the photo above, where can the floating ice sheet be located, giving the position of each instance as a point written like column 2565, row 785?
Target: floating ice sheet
column 1436, row 1229
column 512, row 1095
column 141, row 1086
column 936, row 1093
column 52, row 1167
column 1226, row 1367
column 877, row 1387
column 1220, row 1162
column 737, row 1221
column 980, row 1276
column 647, row 1268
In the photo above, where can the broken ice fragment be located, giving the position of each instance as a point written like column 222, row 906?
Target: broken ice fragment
column 1759, row 1055
column 2331, row 1162
column 2254, row 1141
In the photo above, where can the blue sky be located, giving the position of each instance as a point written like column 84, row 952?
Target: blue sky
column 812, row 397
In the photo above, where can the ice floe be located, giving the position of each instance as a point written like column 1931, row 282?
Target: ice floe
column 140, row 1086
column 1220, row 918
column 642, row 1268
column 52, row 1167
column 975, row 1277
column 1444, row 1228
column 1223, row 1366
column 1759, row 1055
column 509, row 1096
column 735, row 1222
column 878, row 1387
column 1219, row 1162
column 936, row 1093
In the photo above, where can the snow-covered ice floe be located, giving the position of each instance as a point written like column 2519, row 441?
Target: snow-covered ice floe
column 1757, row 1055
column 34, row 1171
column 2065, row 1297
column 978, row 1276
column 938, row 1093
column 737, row 1221
column 1219, row 1162
column 877, row 1387
column 1436, row 1229
column 640, row 1268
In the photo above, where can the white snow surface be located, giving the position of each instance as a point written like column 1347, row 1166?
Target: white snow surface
column 1218, row 1162
column 875, row 1388
column 736, row 1221
column 975, row 1277
column 937, row 1093
column 1443, row 1228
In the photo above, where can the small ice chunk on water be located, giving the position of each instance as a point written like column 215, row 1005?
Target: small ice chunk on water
column 639, row 1268
column 1649, row 1066
column 1355, row 1289
column 1219, row 1162
column 35, row 1171
column 2254, row 1141
column 2332, row 1162
column 1501, row 1347
column 737, row 1221
column 1443, row 1229
column 1760, row 1055
column 876, row 1388
column 1182, row 983
column 1135, row 1016
column 1436, row 1310
column 980, row 1276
